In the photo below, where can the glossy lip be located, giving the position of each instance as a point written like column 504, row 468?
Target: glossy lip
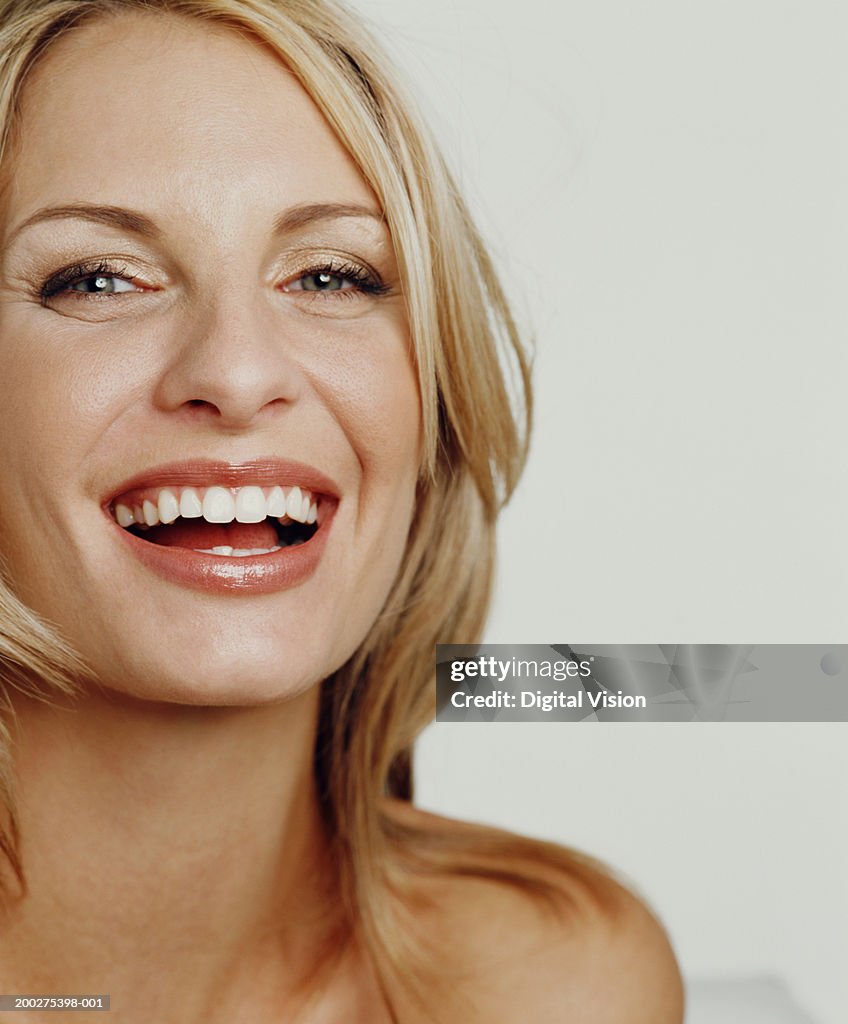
column 253, row 574
column 211, row 473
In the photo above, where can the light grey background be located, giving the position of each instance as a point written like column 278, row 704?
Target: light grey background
column 666, row 186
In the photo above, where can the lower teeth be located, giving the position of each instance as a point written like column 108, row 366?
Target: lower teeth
column 237, row 552
column 247, row 552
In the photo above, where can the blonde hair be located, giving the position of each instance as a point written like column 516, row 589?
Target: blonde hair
column 473, row 373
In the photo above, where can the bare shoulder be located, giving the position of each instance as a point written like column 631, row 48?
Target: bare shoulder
column 542, row 941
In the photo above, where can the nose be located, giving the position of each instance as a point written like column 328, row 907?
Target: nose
column 232, row 365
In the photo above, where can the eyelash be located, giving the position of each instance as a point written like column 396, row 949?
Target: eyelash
column 79, row 272
column 364, row 281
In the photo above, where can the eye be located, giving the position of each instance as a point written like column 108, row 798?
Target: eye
column 102, row 284
column 351, row 279
column 89, row 280
column 321, row 281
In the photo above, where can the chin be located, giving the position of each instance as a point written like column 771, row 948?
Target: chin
column 204, row 675
column 214, row 691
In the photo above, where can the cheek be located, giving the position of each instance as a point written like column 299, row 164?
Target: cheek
column 368, row 380
column 371, row 387
column 60, row 399
column 64, row 403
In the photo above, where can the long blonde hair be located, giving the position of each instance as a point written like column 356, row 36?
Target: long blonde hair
column 473, row 373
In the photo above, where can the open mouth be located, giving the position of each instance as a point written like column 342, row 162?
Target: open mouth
column 233, row 522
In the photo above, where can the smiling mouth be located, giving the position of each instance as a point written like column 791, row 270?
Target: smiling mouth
column 232, row 522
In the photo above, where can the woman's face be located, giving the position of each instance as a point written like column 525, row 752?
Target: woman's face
column 200, row 312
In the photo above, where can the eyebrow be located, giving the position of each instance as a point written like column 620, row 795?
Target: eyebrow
column 130, row 220
column 112, row 216
column 307, row 213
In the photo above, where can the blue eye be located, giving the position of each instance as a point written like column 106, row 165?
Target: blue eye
column 102, row 284
column 352, row 279
column 92, row 280
column 89, row 279
column 322, row 282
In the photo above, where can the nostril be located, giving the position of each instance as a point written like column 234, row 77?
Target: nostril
column 201, row 409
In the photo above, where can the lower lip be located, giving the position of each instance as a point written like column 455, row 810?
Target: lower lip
column 223, row 574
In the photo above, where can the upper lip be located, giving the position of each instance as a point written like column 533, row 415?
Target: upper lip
column 211, row 472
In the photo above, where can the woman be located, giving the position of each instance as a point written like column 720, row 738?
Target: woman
column 256, row 438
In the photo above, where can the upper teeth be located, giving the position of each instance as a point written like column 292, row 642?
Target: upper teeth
column 218, row 505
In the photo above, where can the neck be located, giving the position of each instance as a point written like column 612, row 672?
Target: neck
column 164, row 841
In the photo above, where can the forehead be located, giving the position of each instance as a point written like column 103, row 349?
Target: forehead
column 143, row 108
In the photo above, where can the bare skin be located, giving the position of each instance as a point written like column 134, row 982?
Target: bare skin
column 172, row 844
column 163, row 838
column 174, row 851
column 506, row 957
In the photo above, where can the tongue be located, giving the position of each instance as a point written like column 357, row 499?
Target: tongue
column 200, row 535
